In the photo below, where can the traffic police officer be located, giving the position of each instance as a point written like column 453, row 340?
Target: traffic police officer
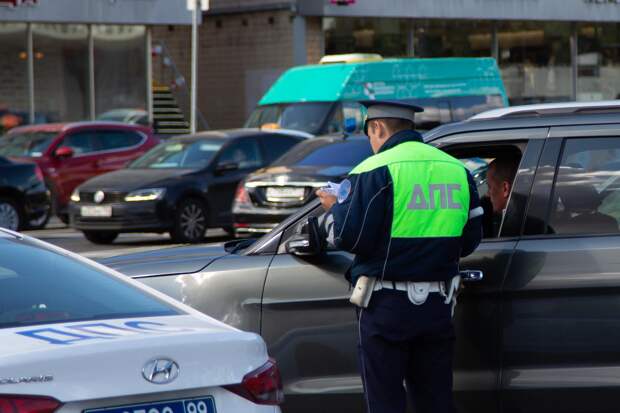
column 411, row 212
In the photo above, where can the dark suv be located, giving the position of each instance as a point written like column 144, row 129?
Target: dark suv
column 537, row 322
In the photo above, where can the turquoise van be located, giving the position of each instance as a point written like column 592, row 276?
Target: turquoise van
column 321, row 99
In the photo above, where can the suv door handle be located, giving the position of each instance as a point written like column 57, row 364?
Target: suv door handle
column 471, row 275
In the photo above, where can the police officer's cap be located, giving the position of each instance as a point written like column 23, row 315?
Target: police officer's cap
column 390, row 109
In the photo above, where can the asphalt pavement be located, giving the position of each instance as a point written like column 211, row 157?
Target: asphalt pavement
column 59, row 234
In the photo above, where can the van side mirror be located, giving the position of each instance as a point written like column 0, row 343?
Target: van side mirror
column 309, row 242
column 64, row 152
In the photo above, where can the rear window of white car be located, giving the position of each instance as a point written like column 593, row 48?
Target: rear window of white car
column 42, row 286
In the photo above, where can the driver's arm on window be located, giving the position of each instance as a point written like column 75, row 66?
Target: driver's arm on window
column 359, row 219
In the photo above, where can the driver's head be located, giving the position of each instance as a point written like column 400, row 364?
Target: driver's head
column 500, row 177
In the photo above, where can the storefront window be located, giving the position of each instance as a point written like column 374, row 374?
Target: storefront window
column 61, row 71
column 120, row 67
column 452, row 38
column 598, row 62
column 387, row 37
column 535, row 61
column 13, row 76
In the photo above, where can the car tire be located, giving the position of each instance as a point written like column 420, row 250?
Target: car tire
column 100, row 237
column 41, row 222
column 190, row 222
column 10, row 215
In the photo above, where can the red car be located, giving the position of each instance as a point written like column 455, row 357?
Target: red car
column 71, row 153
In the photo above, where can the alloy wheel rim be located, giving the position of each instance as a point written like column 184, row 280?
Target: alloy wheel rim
column 193, row 221
column 9, row 218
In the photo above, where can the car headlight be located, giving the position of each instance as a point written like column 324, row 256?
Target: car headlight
column 75, row 196
column 151, row 194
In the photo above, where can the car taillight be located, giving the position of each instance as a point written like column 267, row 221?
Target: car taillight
column 38, row 173
column 28, row 404
column 241, row 196
column 262, row 386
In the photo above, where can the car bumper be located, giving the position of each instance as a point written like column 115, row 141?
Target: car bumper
column 126, row 217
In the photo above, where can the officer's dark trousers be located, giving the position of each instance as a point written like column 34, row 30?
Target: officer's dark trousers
column 399, row 343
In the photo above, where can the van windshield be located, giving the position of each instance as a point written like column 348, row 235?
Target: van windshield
column 306, row 117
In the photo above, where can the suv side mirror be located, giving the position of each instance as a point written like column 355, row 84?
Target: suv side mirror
column 309, row 242
column 226, row 167
column 64, row 152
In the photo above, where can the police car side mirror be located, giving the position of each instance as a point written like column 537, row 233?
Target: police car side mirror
column 309, row 242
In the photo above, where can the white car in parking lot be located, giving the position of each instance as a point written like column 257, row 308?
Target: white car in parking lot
column 76, row 337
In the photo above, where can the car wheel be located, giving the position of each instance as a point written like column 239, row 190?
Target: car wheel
column 9, row 215
column 100, row 237
column 41, row 222
column 190, row 222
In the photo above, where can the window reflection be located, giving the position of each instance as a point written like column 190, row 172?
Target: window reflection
column 120, row 67
column 598, row 62
column 13, row 76
column 61, row 71
column 535, row 61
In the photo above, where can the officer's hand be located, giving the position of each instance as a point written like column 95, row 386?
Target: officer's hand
column 327, row 199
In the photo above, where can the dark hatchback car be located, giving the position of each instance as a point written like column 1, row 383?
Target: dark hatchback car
column 538, row 321
column 271, row 194
column 182, row 186
column 24, row 199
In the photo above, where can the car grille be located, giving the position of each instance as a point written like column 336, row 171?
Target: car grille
column 108, row 198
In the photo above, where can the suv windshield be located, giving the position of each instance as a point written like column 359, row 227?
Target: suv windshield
column 305, row 117
column 28, row 144
column 320, row 152
column 182, row 154
column 41, row 286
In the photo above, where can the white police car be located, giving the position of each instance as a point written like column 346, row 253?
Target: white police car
column 77, row 337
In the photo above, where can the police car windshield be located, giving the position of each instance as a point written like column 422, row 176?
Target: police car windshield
column 42, row 286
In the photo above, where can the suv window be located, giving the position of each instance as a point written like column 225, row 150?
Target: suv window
column 114, row 140
column 586, row 196
column 81, row 142
column 40, row 286
column 244, row 152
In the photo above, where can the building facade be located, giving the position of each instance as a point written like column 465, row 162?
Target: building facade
column 66, row 60
column 75, row 59
column 547, row 50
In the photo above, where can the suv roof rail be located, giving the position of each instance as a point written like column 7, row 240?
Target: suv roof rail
column 551, row 109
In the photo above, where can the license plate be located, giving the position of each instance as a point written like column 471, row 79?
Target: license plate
column 96, row 211
column 204, row 404
column 285, row 192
